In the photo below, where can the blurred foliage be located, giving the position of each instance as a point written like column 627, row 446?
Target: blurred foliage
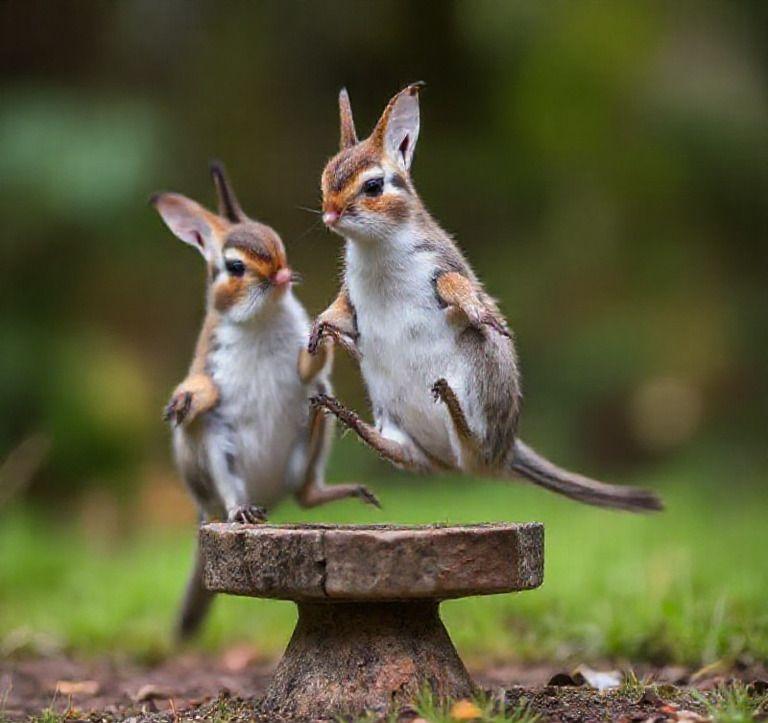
column 604, row 165
column 686, row 587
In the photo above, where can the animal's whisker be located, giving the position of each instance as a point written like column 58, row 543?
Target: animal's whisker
column 310, row 210
column 309, row 230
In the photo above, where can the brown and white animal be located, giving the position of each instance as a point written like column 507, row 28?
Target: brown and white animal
column 423, row 327
column 244, row 434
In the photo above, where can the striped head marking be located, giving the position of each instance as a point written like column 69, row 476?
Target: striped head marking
column 367, row 189
column 247, row 265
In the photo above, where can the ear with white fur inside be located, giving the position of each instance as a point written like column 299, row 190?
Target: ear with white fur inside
column 401, row 129
column 188, row 221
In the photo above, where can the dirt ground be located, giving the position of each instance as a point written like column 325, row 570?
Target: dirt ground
column 227, row 688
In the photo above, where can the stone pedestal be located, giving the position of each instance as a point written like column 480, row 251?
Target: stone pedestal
column 369, row 635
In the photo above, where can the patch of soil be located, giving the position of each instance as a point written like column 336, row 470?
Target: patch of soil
column 196, row 687
column 584, row 704
column 120, row 689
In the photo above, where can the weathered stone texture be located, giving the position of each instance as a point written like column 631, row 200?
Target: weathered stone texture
column 374, row 563
column 346, row 658
column 369, row 636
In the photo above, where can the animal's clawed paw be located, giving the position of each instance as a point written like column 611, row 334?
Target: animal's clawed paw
column 178, row 409
column 367, row 496
column 325, row 330
column 316, row 400
column 331, row 405
column 247, row 515
column 319, row 331
column 323, row 401
column 439, row 389
column 489, row 319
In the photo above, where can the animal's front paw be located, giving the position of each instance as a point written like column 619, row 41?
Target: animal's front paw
column 494, row 323
column 477, row 317
column 319, row 331
column 322, row 330
column 247, row 515
column 180, row 408
column 194, row 396
column 367, row 496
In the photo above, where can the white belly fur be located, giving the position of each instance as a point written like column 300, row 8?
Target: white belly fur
column 261, row 393
column 407, row 343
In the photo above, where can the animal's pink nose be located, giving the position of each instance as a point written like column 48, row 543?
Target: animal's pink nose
column 282, row 277
column 330, row 217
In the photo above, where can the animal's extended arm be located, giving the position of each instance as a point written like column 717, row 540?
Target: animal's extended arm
column 459, row 295
column 337, row 322
column 197, row 393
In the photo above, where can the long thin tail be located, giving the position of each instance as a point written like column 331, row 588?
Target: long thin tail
column 541, row 471
column 195, row 605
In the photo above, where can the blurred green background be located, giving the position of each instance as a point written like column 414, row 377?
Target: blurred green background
column 603, row 165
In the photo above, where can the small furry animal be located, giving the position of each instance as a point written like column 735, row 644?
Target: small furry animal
column 244, row 434
column 435, row 353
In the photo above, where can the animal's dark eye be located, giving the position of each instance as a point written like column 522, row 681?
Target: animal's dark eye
column 373, row 187
column 235, row 267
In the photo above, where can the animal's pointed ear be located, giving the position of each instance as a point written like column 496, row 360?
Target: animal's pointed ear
column 229, row 207
column 348, row 133
column 190, row 222
column 397, row 131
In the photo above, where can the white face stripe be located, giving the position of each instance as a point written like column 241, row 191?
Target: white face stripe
column 373, row 172
column 234, row 254
column 383, row 171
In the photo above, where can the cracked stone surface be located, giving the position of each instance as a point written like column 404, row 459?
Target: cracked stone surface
column 375, row 563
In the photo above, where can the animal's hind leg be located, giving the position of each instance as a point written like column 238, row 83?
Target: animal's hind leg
column 470, row 447
column 400, row 453
column 313, row 490
column 229, row 481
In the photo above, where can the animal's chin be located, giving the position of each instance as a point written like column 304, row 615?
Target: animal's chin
column 359, row 231
column 255, row 304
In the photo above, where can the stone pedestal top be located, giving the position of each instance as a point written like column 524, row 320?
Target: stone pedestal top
column 371, row 563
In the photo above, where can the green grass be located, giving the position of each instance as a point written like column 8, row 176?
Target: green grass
column 430, row 708
column 734, row 704
column 686, row 586
column 436, row 711
column 4, row 694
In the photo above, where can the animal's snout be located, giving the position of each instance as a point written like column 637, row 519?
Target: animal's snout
column 282, row 277
column 331, row 217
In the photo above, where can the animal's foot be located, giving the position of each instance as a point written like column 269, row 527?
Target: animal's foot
column 319, row 331
column 440, row 390
column 247, row 515
column 325, row 330
column 331, row 405
column 367, row 496
column 325, row 402
column 179, row 408
column 498, row 326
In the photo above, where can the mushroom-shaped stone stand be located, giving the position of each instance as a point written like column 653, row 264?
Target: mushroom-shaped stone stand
column 369, row 636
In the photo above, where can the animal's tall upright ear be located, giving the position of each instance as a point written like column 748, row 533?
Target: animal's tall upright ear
column 348, row 133
column 229, row 207
column 190, row 222
column 397, row 131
